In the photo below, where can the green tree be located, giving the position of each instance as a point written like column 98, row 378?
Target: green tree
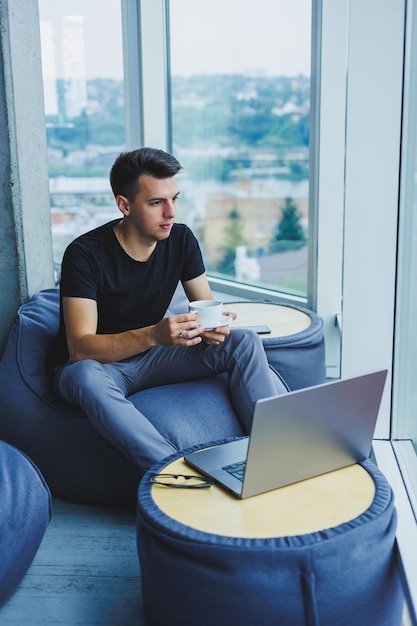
column 289, row 229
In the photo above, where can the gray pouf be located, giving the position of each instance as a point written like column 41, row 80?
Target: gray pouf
column 344, row 575
column 25, row 513
column 295, row 347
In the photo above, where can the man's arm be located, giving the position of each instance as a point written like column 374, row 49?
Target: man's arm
column 81, row 316
column 198, row 288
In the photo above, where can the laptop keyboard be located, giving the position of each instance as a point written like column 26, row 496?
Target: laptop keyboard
column 236, row 469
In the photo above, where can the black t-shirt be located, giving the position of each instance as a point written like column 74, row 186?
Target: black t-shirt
column 129, row 294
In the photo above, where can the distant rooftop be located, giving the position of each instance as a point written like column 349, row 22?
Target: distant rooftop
column 93, row 184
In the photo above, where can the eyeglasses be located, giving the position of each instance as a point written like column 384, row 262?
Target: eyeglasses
column 180, row 481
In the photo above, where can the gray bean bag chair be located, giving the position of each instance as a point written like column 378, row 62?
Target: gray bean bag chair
column 25, row 513
column 77, row 463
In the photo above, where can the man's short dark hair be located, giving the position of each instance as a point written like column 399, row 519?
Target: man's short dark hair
column 124, row 175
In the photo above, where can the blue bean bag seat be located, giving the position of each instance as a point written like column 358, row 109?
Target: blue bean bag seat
column 341, row 576
column 25, row 513
column 77, row 463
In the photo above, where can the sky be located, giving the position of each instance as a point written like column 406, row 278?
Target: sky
column 102, row 31
column 264, row 37
column 228, row 36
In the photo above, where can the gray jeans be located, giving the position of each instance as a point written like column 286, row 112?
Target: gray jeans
column 102, row 389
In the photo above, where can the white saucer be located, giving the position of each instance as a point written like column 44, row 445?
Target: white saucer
column 223, row 321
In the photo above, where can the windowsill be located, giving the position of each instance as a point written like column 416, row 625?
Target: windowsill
column 241, row 291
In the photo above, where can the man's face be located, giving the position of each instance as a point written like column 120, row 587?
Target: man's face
column 152, row 211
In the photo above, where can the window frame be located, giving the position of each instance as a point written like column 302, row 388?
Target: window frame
column 332, row 268
column 337, row 163
column 340, row 67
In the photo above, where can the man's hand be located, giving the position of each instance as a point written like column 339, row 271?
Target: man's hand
column 217, row 335
column 178, row 330
column 185, row 329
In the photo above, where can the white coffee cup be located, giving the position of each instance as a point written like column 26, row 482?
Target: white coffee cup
column 209, row 312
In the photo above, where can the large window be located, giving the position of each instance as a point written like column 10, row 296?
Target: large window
column 239, row 101
column 84, row 104
column 240, row 114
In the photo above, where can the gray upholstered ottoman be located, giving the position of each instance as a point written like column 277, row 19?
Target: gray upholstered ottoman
column 320, row 552
column 295, row 346
column 25, row 512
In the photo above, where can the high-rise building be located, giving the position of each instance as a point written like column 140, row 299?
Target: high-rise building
column 49, row 68
column 73, row 65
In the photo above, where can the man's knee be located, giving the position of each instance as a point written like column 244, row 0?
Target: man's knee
column 83, row 374
column 246, row 338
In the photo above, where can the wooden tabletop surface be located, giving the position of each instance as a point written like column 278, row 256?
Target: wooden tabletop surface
column 304, row 507
column 282, row 320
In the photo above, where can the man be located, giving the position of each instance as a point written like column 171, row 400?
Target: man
column 116, row 284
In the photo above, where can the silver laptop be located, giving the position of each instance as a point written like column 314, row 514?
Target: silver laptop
column 297, row 436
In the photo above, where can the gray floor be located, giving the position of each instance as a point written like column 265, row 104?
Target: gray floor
column 85, row 572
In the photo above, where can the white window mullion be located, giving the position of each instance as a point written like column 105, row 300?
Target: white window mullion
column 146, row 74
column 405, row 390
column 331, row 174
column 132, row 73
column 373, row 127
column 154, row 73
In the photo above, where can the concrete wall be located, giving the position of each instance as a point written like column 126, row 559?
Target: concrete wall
column 26, row 261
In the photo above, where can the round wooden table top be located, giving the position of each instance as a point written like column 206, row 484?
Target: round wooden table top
column 305, row 507
column 282, row 320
